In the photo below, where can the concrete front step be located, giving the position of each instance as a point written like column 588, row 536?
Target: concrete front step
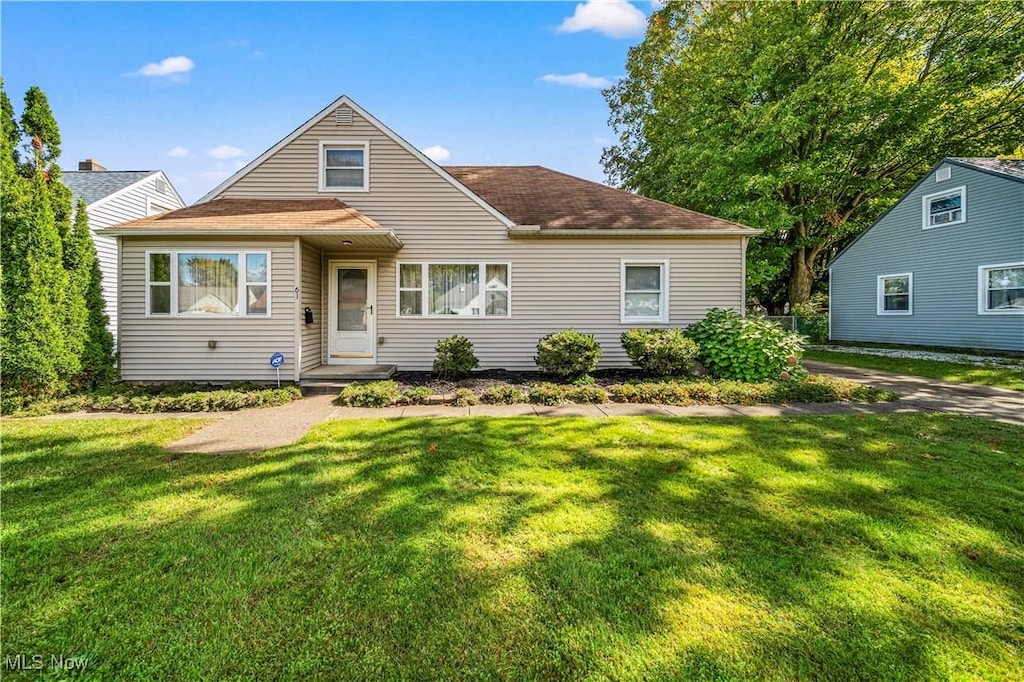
column 332, row 378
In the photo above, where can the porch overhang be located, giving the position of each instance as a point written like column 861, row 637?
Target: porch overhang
column 380, row 239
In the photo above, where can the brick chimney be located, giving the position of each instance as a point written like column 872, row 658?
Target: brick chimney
column 90, row 165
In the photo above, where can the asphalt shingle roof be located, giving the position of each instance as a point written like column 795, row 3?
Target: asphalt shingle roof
column 94, row 185
column 258, row 214
column 1011, row 168
column 534, row 195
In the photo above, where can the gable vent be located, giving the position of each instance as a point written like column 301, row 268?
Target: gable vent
column 943, row 174
column 161, row 186
column 343, row 116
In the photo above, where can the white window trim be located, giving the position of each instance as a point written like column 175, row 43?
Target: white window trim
column 424, row 281
column 926, row 213
column 880, row 302
column 154, row 208
column 242, row 284
column 983, row 308
column 347, row 144
column 661, row 319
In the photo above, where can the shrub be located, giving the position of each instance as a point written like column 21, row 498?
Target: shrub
column 813, row 389
column 373, row 394
column 464, row 397
column 420, row 395
column 745, row 349
column 546, row 394
column 661, row 352
column 149, row 399
column 811, row 323
column 568, row 353
column 503, row 394
column 455, row 357
column 586, row 394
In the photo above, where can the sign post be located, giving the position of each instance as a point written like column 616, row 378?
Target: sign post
column 276, row 360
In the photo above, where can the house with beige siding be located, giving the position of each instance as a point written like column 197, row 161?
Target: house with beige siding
column 342, row 246
column 112, row 197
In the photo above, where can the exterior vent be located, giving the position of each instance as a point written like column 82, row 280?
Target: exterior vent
column 161, row 186
column 943, row 174
column 343, row 116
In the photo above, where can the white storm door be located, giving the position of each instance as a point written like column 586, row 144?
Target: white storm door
column 352, row 313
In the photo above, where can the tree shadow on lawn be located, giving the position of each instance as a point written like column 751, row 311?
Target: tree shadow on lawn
column 528, row 549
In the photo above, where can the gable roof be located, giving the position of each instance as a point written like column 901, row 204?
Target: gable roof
column 92, row 186
column 1007, row 168
column 1003, row 167
column 257, row 214
column 554, row 202
column 347, row 101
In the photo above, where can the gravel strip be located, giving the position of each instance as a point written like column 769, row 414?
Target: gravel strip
column 960, row 358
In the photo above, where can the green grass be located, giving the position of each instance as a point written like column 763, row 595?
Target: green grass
column 839, row 548
column 999, row 377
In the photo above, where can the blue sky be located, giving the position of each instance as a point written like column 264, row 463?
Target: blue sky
column 199, row 89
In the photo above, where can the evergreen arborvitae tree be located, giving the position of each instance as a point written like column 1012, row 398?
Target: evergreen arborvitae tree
column 38, row 123
column 78, row 257
column 35, row 356
column 98, row 350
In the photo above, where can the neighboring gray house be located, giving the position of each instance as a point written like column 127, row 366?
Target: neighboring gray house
column 944, row 267
column 113, row 197
column 344, row 245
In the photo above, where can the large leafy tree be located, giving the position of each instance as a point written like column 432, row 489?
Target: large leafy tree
column 809, row 119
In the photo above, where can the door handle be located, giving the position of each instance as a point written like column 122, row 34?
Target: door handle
column 370, row 308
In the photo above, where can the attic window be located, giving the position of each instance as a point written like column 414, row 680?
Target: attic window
column 343, row 166
column 343, row 116
column 944, row 208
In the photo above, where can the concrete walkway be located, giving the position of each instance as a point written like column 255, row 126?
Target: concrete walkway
column 260, row 429
column 928, row 395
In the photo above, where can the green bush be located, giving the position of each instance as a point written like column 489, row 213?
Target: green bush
column 746, row 349
column 372, row 394
column 455, row 357
column 464, row 397
column 586, row 394
column 136, row 400
column 813, row 389
column 811, row 322
column 661, row 352
column 568, row 353
column 546, row 394
column 420, row 395
column 503, row 394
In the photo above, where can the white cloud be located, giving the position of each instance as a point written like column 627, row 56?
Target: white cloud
column 577, row 80
column 168, row 67
column 436, row 153
column 224, row 151
column 614, row 18
column 179, row 152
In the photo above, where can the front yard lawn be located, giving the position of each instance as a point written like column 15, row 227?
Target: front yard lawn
column 839, row 548
column 1000, row 377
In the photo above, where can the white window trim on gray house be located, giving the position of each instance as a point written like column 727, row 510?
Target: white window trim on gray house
column 324, row 146
column 663, row 311
column 424, row 288
column 983, row 290
column 926, row 205
column 880, row 303
column 172, row 283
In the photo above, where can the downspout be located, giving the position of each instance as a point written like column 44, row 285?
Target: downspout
column 297, row 311
column 743, row 277
column 830, row 304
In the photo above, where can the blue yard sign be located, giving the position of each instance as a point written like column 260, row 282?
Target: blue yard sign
column 276, row 360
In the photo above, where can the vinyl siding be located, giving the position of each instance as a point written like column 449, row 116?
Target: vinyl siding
column 555, row 284
column 311, row 297
column 944, row 261
column 175, row 348
column 130, row 205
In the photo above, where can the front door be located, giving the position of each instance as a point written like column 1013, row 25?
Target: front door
column 352, row 317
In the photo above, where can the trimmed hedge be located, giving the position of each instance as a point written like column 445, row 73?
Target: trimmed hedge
column 371, row 394
column 172, row 398
column 455, row 357
column 661, row 352
column 568, row 353
column 503, row 394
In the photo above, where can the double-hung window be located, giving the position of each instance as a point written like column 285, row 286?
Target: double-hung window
column 945, row 208
column 344, row 166
column 1001, row 289
column 644, row 291
column 208, row 283
column 454, row 289
column 896, row 294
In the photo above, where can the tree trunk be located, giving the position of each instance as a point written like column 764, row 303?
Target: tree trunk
column 800, row 278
